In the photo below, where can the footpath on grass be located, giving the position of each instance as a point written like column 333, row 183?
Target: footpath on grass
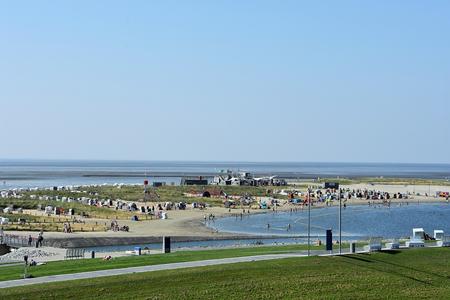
column 13, row 272
column 124, row 271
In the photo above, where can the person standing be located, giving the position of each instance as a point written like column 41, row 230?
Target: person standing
column 40, row 239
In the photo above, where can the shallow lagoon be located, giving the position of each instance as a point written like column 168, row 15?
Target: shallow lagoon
column 358, row 222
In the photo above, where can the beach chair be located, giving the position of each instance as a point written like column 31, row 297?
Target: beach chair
column 416, row 241
column 438, row 234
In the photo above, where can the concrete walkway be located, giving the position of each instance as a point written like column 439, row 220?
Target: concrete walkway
column 124, row 271
column 11, row 264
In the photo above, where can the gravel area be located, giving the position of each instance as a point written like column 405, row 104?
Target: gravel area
column 37, row 254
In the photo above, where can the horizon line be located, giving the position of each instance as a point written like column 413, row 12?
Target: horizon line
column 212, row 161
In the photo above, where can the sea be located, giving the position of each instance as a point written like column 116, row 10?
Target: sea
column 48, row 173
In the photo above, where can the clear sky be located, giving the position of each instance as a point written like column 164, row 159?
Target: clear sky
column 344, row 81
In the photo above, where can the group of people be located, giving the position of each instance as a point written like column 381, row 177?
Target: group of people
column 209, row 217
column 39, row 241
column 67, row 228
column 115, row 227
column 32, row 262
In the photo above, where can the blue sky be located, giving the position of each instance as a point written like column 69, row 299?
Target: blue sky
column 344, row 81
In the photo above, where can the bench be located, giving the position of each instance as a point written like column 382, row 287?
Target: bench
column 444, row 242
column 415, row 243
column 394, row 244
column 74, row 253
column 374, row 244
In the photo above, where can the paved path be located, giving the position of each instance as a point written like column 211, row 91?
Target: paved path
column 11, row 264
column 172, row 266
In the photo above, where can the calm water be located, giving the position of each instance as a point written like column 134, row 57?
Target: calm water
column 30, row 173
column 358, row 222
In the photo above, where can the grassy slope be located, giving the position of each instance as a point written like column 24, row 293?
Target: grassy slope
column 421, row 273
column 85, row 265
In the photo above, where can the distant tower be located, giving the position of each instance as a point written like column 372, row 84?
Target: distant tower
column 145, row 187
column 149, row 193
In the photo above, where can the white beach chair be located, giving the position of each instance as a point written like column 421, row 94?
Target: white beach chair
column 416, row 241
column 438, row 234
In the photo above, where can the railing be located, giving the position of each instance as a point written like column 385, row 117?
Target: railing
column 18, row 241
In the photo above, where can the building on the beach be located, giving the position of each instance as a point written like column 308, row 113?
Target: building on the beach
column 246, row 179
column 191, row 181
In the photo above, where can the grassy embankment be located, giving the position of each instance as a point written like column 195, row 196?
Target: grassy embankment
column 133, row 193
column 408, row 274
column 86, row 265
column 176, row 193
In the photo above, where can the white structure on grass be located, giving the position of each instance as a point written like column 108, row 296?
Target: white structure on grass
column 416, row 239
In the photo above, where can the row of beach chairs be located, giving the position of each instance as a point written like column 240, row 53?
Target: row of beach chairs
column 416, row 241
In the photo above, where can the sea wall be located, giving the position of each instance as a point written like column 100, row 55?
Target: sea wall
column 79, row 242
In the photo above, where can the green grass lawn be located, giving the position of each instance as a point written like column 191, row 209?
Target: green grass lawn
column 86, row 265
column 418, row 274
column 176, row 193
